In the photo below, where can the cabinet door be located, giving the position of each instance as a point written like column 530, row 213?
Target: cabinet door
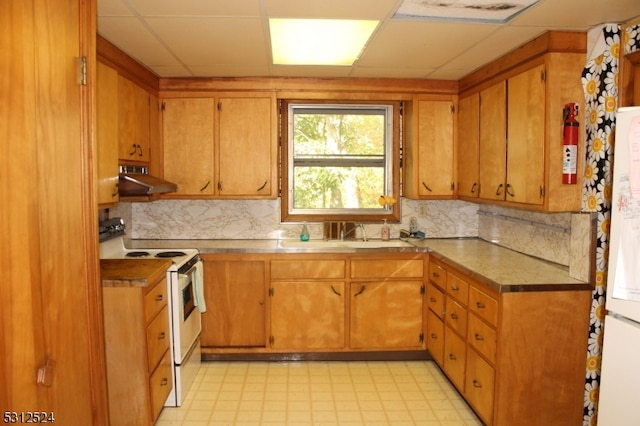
column 133, row 121
column 479, row 385
column 454, row 360
column 435, row 149
column 246, row 158
column 468, row 145
column 187, row 129
column 234, row 292
column 526, row 137
column 493, row 147
column 107, row 133
column 435, row 337
column 386, row 314
column 307, row 315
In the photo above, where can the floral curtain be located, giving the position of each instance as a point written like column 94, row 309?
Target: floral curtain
column 600, row 82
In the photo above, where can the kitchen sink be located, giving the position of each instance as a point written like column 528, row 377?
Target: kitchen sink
column 355, row 244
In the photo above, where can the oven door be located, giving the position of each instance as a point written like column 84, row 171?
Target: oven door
column 187, row 322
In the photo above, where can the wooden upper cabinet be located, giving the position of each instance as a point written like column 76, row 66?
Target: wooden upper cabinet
column 188, row 144
column 133, row 128
column 429, row 161
column 468, row 145
column 247, row 158
column 107, row 133
column 220, row 147
column 493, row 144
column 525, row 137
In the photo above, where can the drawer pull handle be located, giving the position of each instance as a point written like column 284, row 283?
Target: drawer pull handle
column 435, row 275
column 473, row 187
column 164, row 381
column 455, row 288
column 433, row 299
column 477, row 384
column 161, row 336
column 479, row 337
column 499, row 190
column 480, row 305
column 359, row 291
column 263, row 186
column 452, row 357
column 434, row 336
column 427, row 187
column 205, row 186
column 159, row 298
column 454, row 316
column 335, row 291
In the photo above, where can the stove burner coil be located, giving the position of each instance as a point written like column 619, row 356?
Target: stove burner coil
column 170, row 254
column 137, row 254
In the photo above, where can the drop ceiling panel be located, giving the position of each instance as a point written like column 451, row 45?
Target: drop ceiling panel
column 578, row 14
column 237, row 8
column 208, row 41
column 113, row 8
column 134, row 39
column 417, row 44
column 331, row 9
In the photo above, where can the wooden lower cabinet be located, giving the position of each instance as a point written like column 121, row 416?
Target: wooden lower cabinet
column 235, row 296
column 303, row 302
column 386, row 315
column 137, row 343
column 517, row 357
column 307, row 315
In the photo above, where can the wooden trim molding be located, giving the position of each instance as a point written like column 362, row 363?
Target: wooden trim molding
column 126, row 66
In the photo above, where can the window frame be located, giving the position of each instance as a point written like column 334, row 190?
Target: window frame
column 390, row 213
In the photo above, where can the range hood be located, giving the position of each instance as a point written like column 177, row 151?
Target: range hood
column 136, row 181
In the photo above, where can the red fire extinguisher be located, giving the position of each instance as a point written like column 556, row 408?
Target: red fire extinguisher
column 570, row 144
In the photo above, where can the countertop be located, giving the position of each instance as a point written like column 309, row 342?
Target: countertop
column 132, row 272
column 501, row 269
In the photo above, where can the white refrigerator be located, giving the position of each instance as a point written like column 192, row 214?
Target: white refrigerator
column 620, row 375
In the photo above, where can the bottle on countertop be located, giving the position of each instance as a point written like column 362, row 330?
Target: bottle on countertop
column 304, row 234
column 385, row 232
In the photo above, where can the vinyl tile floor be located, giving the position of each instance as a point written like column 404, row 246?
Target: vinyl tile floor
column 321, row 393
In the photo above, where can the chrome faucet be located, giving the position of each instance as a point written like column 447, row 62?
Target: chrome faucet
column 359, row 225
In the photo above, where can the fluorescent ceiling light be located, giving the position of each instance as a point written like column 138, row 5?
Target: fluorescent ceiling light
column 318, row 41
column 463, row 10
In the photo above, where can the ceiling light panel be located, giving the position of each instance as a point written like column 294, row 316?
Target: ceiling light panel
column 318, row 41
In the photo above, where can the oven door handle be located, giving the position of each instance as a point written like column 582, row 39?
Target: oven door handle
column 198, row 286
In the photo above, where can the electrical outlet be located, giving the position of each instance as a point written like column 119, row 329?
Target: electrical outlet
column 422, row 210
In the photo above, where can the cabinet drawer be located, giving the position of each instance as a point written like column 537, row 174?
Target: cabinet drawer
column 385, row 268
column 438, row 275
column 158, row 338
column 435, row 299
column 435, row 337
column 479, row 385
column 482, row 337
column 457, row 288
column 155, row 300
column 455, row 349
column 483, row 305
column 456, row 317
column 307, row 269
column 160, row 384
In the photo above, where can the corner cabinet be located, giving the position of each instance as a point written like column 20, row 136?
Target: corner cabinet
column 429, row 162
column 514, row 121
column 222, row 146
column 514, row 355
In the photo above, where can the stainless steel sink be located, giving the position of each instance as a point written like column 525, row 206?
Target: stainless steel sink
column 329, row 244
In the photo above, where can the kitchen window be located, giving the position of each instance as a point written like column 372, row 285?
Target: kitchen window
column 338, row 159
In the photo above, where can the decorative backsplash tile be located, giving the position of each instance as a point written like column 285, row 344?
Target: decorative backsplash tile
column 543, row 235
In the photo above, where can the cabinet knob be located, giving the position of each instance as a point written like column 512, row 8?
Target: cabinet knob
column 454, row 316
column 261, row 302
column 480, row 305
column 477, row 384
column 164, row 381
column 478, row 337
column 159, row 298
column 452, row 357
column 161, row 336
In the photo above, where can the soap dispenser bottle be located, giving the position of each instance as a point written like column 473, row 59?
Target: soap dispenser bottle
column 385, row 232
column 304, row 234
